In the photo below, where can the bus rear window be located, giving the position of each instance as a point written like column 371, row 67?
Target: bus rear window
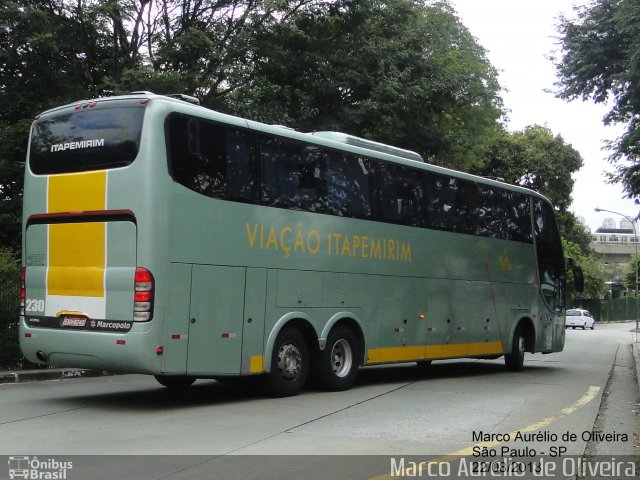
column 94, row 138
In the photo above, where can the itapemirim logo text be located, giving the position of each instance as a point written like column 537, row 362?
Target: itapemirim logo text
column 32, row 468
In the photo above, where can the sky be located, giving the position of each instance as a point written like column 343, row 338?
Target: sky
column 519, row 36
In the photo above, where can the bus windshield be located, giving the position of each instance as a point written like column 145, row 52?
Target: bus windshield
column 93, row 138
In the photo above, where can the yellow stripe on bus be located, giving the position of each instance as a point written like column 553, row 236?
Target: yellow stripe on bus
column 256, row 364
column 77, row 250
column 427, row 352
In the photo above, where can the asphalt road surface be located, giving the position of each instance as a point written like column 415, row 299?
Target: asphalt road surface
column 128, row 426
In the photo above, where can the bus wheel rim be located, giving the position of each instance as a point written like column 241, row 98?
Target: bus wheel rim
column 289, row 361
column 341, row 358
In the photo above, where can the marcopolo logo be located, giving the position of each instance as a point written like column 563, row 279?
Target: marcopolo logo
column 110, row 325
column 37, row 469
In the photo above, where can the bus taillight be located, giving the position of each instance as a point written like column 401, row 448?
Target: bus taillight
column 23, row 289
column 143, row 295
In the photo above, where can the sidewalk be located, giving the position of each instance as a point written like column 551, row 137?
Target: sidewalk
column 618, row 411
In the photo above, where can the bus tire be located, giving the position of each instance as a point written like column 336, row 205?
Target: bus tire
column 339, row 361
column 289, row 364
column 175, row 382
column 423, row 364
column 514, row 361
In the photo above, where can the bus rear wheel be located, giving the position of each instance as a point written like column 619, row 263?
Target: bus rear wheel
column 514, row 361
column 339, row 361
column 178, row 382
column 289, row 364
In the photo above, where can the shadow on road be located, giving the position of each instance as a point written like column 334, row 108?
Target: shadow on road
column 211, row 392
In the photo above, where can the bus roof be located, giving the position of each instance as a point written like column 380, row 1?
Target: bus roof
column 369, row 144
column 335, row 140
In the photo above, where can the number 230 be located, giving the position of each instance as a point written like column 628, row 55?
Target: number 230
column 34, row 305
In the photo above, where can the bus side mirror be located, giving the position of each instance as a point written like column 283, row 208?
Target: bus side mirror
column 578, row 275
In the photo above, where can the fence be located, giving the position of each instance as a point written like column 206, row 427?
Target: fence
column 610, row 310
column 10, row 356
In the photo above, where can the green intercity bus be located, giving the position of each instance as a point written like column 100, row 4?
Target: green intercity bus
column 164, row 238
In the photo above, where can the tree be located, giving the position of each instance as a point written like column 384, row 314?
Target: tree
column 594, row 279
column 534, row 158
column 48, row 55
column 630, row 273
column 204, row 48
column 575, row 231
column 401, row 72
column 600, row 61
column 9, row 267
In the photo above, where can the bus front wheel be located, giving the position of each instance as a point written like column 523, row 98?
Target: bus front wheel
column 514, row 361
column 339, row 360
column 289, row 364
column 175, row 382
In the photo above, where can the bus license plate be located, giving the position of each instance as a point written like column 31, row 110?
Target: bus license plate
column 74, row 321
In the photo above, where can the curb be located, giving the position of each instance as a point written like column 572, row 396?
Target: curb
column 22, row 376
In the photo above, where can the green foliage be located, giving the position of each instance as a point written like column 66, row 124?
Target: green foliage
column 630, row 273
column 9, row 309
column 601, row 61
column 573, row 230
column 9, row 267
column 49, row 56
column 536, row 159
column 594, row 279
column 382, row 70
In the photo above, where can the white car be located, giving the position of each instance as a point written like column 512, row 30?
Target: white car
column 580, row 318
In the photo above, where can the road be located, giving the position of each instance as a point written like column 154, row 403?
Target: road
column 456, row 408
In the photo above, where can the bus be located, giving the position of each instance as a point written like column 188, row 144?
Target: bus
column 164, row 238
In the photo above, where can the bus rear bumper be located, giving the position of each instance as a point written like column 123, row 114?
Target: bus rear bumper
column 130, row 352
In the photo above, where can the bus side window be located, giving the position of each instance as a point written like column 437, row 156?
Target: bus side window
column 211, row 161
column 520, row 218
column 338, row 184
column 193, row 136
column 390, row 207
column 292, row 175
column 198, row 155
column 242, row 183
column 464, row 198
column 348, row 185
column 182, row 151
column 311, row 191
column 489, row 213
column 450, row 202
column 411, row 199
column 272, row 173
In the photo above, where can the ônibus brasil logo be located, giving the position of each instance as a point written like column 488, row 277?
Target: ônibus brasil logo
column 35, row 469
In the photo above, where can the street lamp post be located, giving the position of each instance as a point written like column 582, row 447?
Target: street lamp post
column 635, row 234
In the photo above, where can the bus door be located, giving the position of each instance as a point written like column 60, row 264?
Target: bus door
column 461, row 320
column 483, row 332
column 458, row 314
column 551, row 272
column 216, row 320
